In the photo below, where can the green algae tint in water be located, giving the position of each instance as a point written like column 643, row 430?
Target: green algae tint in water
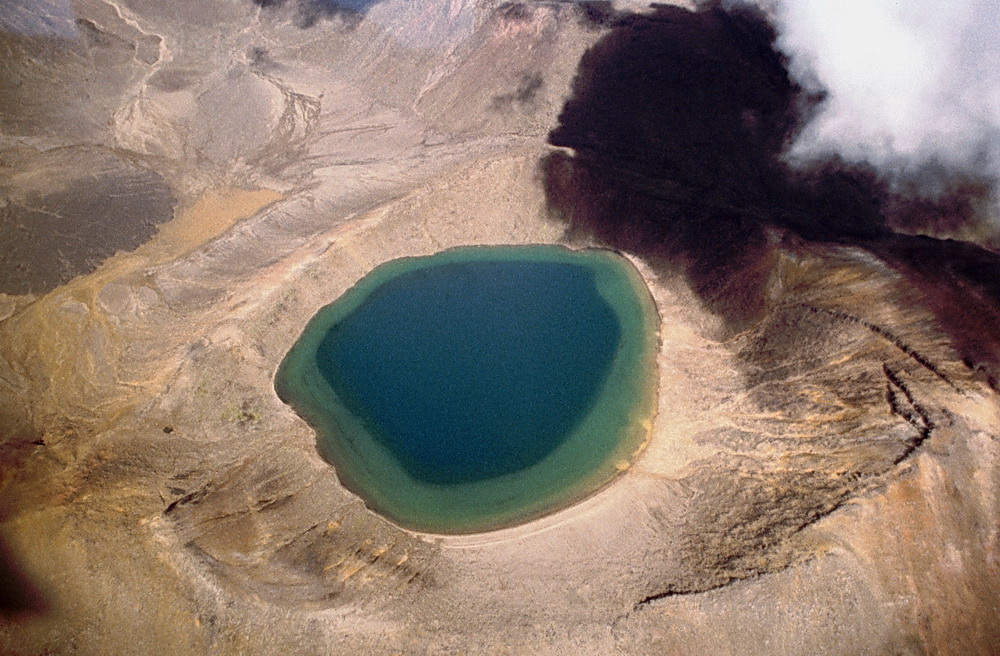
column 480, row 387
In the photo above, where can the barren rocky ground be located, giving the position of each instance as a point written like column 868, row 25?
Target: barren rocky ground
column 185, row 184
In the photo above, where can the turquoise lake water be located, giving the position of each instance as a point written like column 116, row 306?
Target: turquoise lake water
column 482, row 386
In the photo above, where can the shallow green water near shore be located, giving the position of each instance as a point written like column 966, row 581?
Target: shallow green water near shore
column 480, row 387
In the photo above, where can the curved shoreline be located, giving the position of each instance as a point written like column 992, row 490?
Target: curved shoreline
column 501, row 502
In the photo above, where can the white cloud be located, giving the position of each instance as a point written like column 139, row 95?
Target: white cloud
column 908, row 82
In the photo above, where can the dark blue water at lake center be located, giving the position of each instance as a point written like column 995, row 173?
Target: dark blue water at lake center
column 471, row 370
